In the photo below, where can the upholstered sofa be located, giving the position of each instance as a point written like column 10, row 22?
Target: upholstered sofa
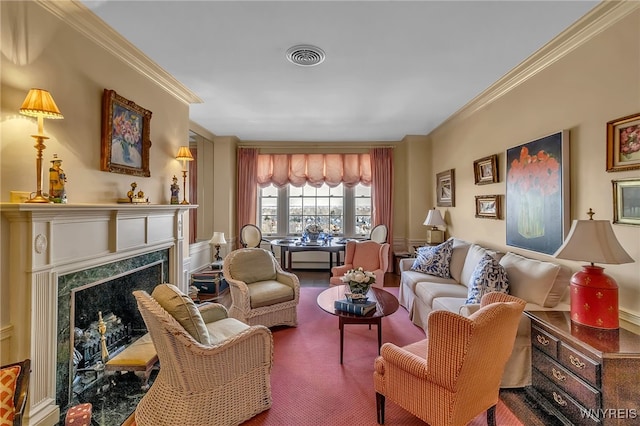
column 543, row 285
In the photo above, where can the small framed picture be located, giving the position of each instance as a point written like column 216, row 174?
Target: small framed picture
column 485, row 170
column 488, row 206
column 623, row 143
column 445, row 189
column 626, row 201
column 125, row 136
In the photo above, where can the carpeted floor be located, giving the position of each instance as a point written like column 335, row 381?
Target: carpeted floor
column 310, row 387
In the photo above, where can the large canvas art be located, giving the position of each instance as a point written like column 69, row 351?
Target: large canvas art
column 537, row 196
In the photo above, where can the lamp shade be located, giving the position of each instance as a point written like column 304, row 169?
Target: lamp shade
column 40, row 103
column 593, row 241
column 434, row 218
column 218, row 238
column 184, row 154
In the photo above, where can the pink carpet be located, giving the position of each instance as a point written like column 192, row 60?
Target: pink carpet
column 310, row 387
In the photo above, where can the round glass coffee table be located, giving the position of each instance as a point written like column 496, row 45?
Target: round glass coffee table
column 386, row 304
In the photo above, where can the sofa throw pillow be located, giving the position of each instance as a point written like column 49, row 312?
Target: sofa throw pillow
column 488, row 276
column 8, row 381
column 434, row 260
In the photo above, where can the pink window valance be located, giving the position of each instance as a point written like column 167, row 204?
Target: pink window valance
column 314, row 169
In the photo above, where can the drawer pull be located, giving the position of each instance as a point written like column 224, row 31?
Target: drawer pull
column 542, row 340
column 558, row 375
column 558, row 399
column 576, row 362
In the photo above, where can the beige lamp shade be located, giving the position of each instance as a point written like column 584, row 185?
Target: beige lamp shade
column 434, row 219
column 184, row 154
column 593, row 241
column 218, row 239
column 40, row 103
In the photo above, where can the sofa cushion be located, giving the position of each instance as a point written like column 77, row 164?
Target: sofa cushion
column 181, row 307
column 458, row 256
column 434, row 260
column 475, row 253
column 451, row 304
column 427, row 292
column 488, row 276
column 535, row 281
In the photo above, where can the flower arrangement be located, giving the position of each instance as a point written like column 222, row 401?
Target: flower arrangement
column 313, row 228
column 358, row 280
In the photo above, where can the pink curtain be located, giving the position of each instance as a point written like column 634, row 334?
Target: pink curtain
column 247, row 190
column 382, row 192
column 314, row 169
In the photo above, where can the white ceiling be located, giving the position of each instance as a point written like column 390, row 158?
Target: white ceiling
column 393, row 68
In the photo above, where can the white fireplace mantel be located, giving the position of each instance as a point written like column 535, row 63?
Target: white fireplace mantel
column 47, row 240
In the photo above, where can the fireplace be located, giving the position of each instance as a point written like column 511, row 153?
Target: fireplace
column 56, row 252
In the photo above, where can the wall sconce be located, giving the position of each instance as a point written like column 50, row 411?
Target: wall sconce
column 184, row 155
column 40, row 104
column 594, row 294
column 434, row 219
column 217, row 240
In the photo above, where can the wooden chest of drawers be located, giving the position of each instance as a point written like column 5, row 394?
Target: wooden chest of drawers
column 583, row 375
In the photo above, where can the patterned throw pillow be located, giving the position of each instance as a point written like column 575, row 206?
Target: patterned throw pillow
column 8, row 380
column 488, row 276
column 434, row 260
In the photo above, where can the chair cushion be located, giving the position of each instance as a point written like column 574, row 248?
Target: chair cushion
column 434, row 260
column 8, row 381
column 535, row 281
column 488, row 276
column 267, row 293
column 182, row 308
column 224, row 328
column 253, row 266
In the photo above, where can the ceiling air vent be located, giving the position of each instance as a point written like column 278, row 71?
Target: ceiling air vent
column 305, row 55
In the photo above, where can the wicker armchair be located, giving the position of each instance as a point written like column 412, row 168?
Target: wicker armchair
column 226, row 381
column 372, row 256
column 261, row 292
column 453, row 375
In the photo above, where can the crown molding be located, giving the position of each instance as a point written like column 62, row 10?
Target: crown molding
column 600, row 18
column 82, row 19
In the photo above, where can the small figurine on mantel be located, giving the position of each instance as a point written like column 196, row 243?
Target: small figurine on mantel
column 132, row 193
column 175, row 191
column 57, row 180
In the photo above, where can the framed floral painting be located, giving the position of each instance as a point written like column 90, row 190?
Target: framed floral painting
column 537, row 195
column 125, row 136
column 623, row 143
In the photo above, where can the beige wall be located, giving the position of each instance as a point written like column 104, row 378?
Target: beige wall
column 596, row 83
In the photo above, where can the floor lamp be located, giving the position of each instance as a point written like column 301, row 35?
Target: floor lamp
column 184, row 155
column 40, row 104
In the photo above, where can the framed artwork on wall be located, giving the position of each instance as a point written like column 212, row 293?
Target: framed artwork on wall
column 626, row 201
column 537, row 196
column 445, row 189
column 488, row 206
column 125, row 136
column 485, row 170
column 623, row 143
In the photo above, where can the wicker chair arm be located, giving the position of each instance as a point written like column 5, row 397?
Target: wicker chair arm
column 212, row 312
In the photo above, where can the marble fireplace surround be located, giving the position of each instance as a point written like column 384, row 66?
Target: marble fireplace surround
column 47, row 242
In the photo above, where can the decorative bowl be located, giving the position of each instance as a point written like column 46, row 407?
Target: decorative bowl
column 356, row 297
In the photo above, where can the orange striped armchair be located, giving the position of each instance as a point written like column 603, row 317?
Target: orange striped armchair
column 453, row 375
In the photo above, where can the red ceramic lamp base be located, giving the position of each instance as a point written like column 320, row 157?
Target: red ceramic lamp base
column 594, row 298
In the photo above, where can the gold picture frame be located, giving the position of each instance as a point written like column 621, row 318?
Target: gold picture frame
column 489, row 206
column 445, row 188
column 125, row 139
column 623, row 143
column 626, row 201
column 485, row 170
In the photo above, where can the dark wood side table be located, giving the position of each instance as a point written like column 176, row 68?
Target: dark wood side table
column 386, row 305
column 584, row 375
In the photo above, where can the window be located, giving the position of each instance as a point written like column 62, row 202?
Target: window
column 342, row 211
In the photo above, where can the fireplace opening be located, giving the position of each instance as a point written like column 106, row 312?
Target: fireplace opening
column 101, row 320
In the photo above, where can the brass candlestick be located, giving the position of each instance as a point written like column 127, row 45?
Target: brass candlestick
column 102, row 328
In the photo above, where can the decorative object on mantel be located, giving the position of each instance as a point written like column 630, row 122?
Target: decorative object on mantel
column 184, row 155
column 623, row 143
column 359, row 282
column 217, row 240
column 40, row 104
column 446, row 189
column 485, row 170
column 434, row 219
column 594, row 295
column 125, row 136
column 175, row 191
column 134, row 197
column 57, row 181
